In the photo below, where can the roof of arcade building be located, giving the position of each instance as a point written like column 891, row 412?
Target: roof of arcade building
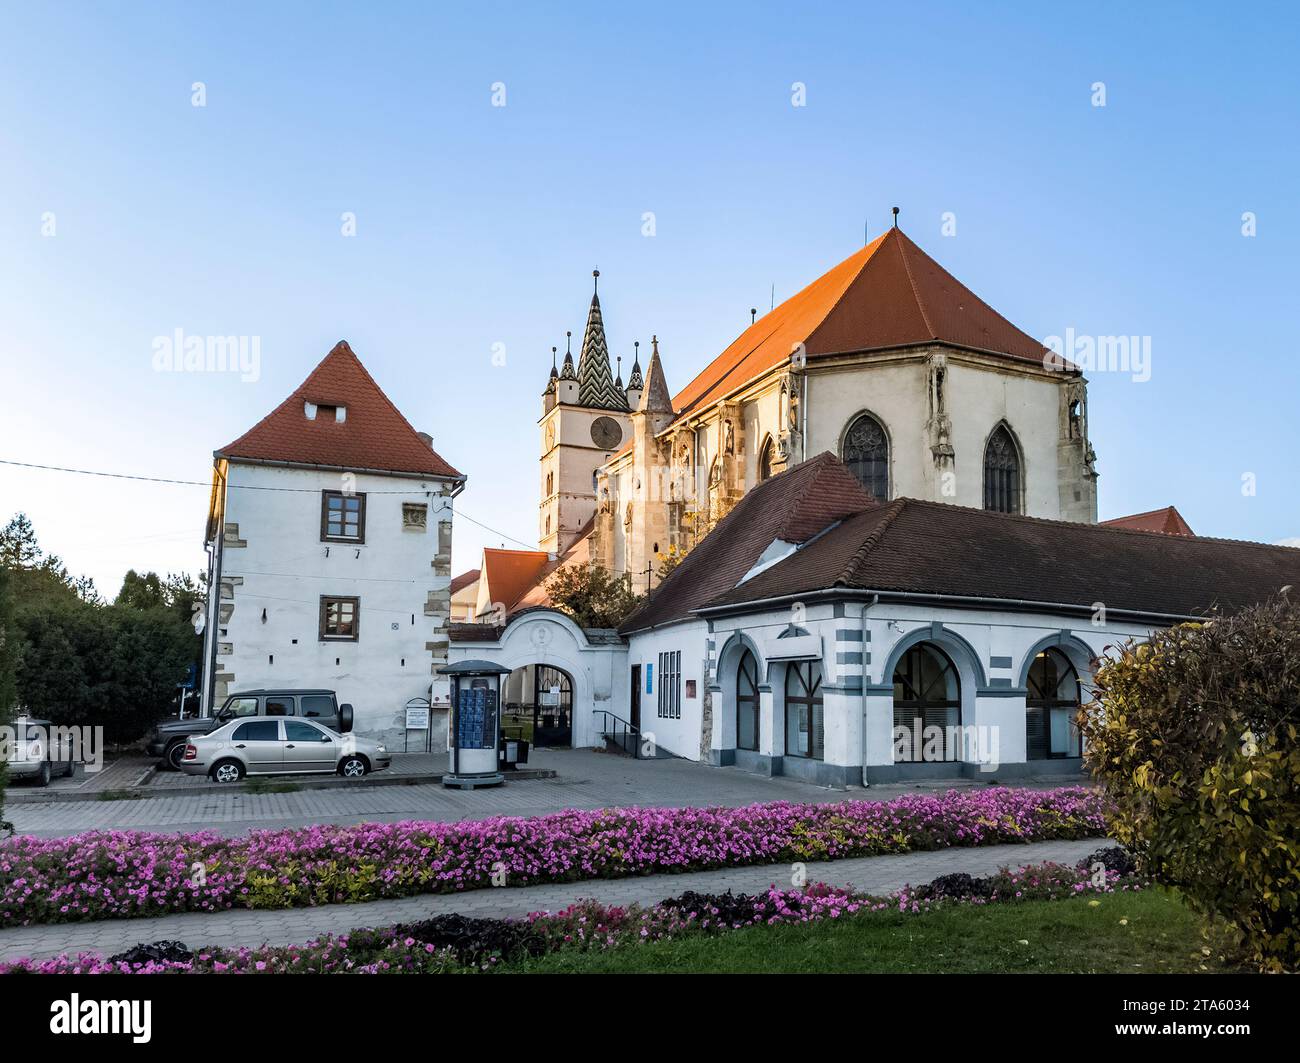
column 804, row 534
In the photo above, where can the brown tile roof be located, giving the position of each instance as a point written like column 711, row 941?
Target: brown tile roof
column 459, row 583
column 887, row 294
column 374, row 435
column 792, row 507
column 930, row 548
column 1167, row 520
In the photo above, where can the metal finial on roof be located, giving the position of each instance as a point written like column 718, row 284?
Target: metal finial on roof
column 654, row 345
column 753, row 314
column 618, row 376
column 568, row 341
column 595, row 281
column 635, row 381
column 895, row 217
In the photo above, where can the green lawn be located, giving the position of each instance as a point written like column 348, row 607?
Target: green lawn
column 1066, row 936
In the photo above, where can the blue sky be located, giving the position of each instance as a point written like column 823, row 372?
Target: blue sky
column 479, row 225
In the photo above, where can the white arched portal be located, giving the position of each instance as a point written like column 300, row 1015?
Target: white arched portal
column 595, row 662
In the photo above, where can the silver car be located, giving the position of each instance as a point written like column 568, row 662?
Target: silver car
column 280, row 746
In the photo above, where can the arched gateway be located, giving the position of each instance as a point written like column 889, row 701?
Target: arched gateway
column 561, row 675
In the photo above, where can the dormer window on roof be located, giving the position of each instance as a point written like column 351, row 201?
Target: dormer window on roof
column 324, row 412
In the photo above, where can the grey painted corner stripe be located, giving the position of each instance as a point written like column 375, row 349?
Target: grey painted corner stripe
column 854, row 658
column 848, row 635
column 1000, row 681
column 851, row 684
column 999, row 662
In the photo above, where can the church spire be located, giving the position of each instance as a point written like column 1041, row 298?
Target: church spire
column 595, row 385
column 655, row 398
column 568, row 373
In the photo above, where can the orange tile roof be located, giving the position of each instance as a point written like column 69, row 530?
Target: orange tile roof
column 887, row 294
column 509, row 574
column 578, row 553
column 373, row 435
column 1167, row 520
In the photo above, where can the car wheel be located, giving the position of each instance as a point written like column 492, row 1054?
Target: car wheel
column 353, row 766
column 70, row 769
column 227, row 771
column 43, row 776
column 174, row 755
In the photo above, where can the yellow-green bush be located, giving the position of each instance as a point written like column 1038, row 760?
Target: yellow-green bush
column 1195, row 738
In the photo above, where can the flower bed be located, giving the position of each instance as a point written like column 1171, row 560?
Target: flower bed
column 131, row 873
column 455, row 943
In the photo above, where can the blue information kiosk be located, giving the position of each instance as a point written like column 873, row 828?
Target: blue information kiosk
column 474, row 724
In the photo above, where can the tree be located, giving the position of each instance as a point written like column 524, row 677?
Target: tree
column 80, row 663
column 37, row 576
column 592, row 596
column 141, row 592
column 1195, row 737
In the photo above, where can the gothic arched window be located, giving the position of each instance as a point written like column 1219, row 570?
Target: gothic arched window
column 1002, row 472
column 866, row 453
column 765, row 461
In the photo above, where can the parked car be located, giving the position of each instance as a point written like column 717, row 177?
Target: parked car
column 36, row 749
column 280, row 746
column 169, row 737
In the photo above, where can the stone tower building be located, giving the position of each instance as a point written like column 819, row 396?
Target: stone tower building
column 586, row 419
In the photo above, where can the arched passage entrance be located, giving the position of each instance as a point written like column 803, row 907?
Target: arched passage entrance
column 538, row 705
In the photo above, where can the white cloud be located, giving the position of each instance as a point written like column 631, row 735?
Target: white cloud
column 1293, row 541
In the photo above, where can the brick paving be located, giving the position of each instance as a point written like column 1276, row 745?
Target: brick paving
column 584, row 779
column 878, row 874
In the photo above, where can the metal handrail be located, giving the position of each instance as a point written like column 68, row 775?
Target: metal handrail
column 622, row 727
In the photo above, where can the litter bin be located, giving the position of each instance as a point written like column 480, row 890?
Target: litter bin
column 512, row 752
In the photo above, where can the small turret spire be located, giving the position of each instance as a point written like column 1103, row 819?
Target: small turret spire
column 618, row 376
column 568, row 372
column 655, row 398
column 635, row 382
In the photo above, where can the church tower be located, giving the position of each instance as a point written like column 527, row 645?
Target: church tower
column 585, row 421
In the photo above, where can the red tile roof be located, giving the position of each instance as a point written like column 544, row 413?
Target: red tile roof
column 1167, row 520
column 887, row 294
column 373, row 435
column 459, row 583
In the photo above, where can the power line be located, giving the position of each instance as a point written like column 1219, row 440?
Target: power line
column 237, row 487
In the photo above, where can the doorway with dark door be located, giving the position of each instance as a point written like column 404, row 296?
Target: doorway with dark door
column 634, row 698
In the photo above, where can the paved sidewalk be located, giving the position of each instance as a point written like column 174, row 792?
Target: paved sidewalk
column 876, row 874
column 584, row 779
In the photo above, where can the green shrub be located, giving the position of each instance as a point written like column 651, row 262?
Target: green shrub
column 1195, row 738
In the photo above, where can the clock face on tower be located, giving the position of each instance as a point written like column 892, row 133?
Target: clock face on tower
column 605, row 433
